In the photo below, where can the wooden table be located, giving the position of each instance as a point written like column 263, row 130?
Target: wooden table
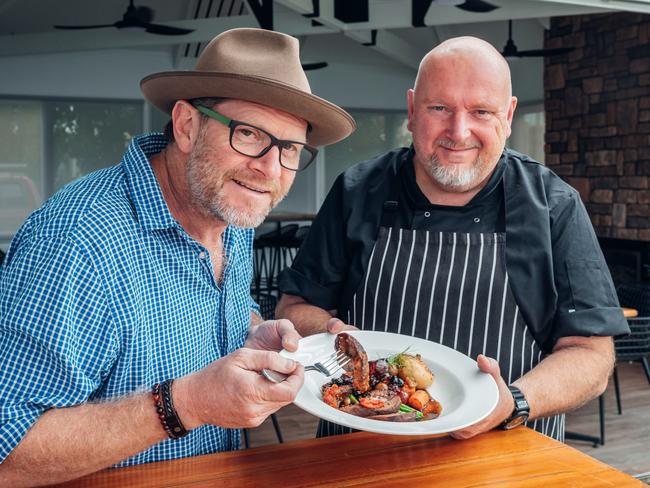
column 516, row 458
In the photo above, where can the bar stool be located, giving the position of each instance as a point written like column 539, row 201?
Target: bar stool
column 270, row 257
column 633, row 347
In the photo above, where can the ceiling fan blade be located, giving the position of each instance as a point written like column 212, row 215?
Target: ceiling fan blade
column 79, row 27
column 477, row 6
column 135, row 17
column 165, row 30
column 313, row 66
column 144, row 14
column 531, row 53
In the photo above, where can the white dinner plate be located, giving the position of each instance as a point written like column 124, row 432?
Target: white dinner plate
column 466, row 394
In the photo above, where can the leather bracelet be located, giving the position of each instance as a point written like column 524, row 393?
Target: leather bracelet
column 162, row 398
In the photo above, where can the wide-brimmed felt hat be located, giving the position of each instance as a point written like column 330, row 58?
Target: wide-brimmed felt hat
column 259, row 66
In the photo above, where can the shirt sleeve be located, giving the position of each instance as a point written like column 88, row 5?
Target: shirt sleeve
column 56, row 339
column 587, row 302
column 320, row 268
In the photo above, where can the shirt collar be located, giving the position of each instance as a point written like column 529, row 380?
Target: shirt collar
column 150, row 206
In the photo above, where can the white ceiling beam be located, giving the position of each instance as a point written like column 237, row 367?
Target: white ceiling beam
column 300, row 6
column 391, row 46
column 639, row 6
column 385, row 42
column 178, row 52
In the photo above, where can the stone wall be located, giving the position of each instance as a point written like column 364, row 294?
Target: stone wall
column 597, row 102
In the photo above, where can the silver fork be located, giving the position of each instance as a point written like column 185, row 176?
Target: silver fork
column 329, row 367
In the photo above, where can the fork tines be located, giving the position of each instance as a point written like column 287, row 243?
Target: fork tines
column 335, row 363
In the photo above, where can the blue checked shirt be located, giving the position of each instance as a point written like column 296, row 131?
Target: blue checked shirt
column 103, row 293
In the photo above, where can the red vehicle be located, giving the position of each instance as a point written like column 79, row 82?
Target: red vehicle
column 18, row 198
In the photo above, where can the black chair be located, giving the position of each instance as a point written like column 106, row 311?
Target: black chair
column 633, row 347
column 270, row 257
column 267, row 303
column 273, row 251
column 635, row 295
column 636, row 346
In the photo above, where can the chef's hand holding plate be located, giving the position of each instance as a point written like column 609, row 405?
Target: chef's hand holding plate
column 334, row 326
column 504, row 407
column 273, row 335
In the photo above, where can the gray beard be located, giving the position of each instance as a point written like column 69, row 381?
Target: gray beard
column 218, row 206
column 232, row 216
column 455, row 178
column 214, row 203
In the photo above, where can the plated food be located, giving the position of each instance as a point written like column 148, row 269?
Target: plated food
column 392, row 388
column 466, row 394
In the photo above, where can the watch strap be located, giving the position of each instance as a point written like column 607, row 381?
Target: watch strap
column 521, row 411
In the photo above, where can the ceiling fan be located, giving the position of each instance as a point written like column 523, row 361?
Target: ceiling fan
column 477, row 6
column 139, row 17
column 510, row 50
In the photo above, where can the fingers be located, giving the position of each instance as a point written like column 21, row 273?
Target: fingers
column 334, row 326
column 475, row 429
column 289, row 335
column 286, row 391
column 273, row 335
column 488, row 365
column 256, row 360
column 461, row 435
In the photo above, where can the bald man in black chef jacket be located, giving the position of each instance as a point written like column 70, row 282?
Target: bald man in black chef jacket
column 465, row 243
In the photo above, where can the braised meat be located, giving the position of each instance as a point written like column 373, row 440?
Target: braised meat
column 396, row 417
column 377, row 402
column 334, row 395
column 360, row 369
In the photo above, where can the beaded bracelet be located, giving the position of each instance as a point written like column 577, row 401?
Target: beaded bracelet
column 162, row 398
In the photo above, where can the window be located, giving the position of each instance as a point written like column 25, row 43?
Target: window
column 528, row 129
column 377, row 132
column 48, row 143
column 87, row 136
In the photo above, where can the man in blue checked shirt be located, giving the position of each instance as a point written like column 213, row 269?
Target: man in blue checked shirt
column 128, row 334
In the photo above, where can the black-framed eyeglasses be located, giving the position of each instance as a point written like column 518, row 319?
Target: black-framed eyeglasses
column 254, row 142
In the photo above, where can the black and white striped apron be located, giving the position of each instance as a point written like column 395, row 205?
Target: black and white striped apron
column 450, row 288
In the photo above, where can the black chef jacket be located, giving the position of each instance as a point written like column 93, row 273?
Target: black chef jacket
column 556, row 270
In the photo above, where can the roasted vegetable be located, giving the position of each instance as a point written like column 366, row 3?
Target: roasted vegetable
column 406, row 408
column 413, row 370
column 419, row 399
column 432, row 409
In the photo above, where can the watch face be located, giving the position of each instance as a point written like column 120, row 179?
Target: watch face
column 515, row 422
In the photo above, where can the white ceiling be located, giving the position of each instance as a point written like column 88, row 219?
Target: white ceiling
column 26, row 29
column 26, row 25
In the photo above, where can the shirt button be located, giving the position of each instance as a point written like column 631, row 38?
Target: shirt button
column 427, row 214
column 476, row 220
column 202, row 255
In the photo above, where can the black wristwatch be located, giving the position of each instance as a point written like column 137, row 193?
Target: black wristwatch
column 520, row 413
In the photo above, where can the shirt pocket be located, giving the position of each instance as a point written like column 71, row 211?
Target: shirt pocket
column 591, row 285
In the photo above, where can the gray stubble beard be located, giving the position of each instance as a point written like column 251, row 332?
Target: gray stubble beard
column 455, row 178
column 215, row 204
